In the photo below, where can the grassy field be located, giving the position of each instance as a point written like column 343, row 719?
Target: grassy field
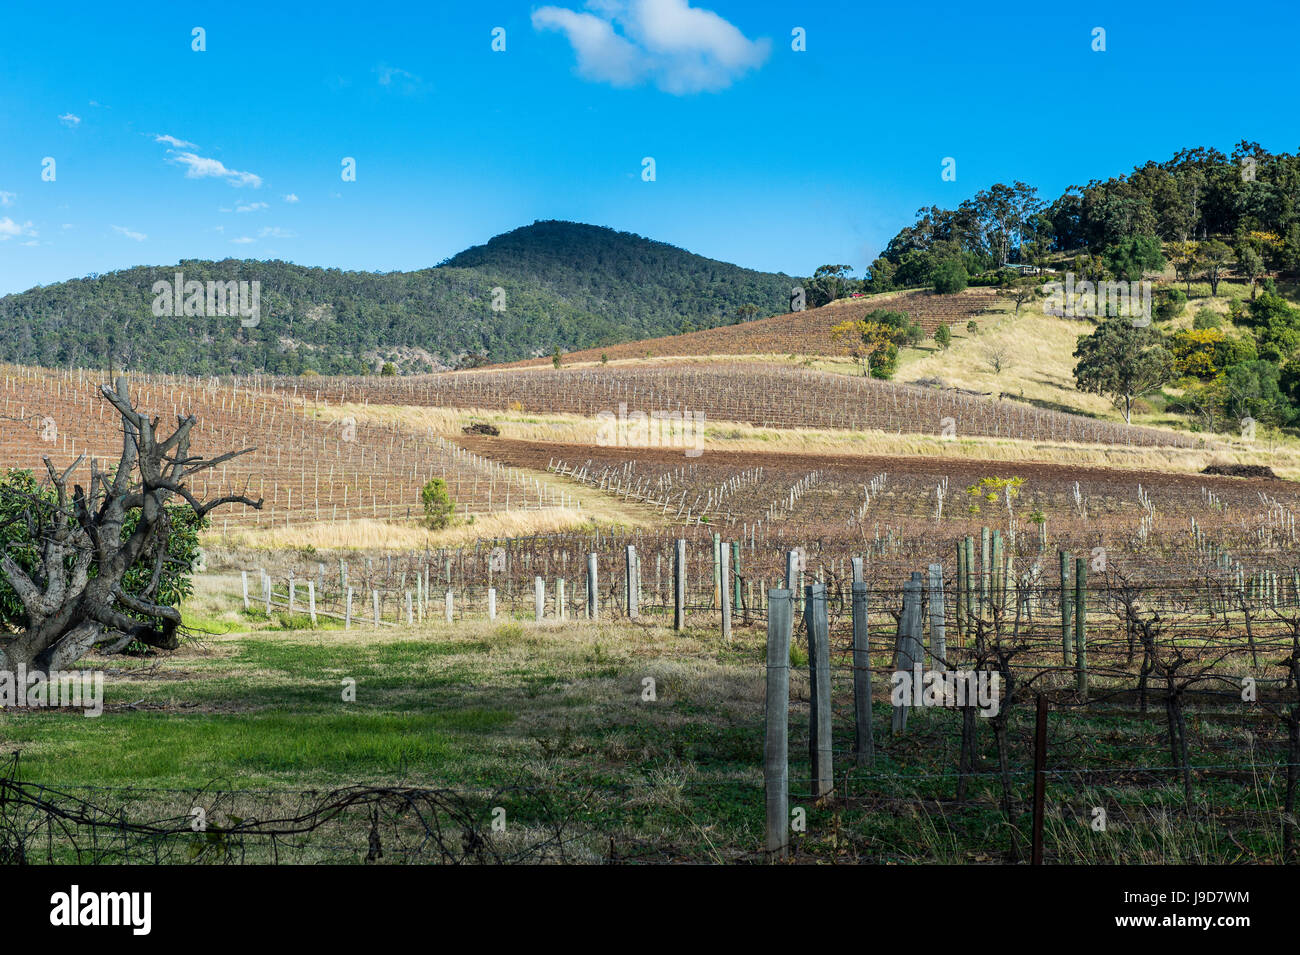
column 552, row 722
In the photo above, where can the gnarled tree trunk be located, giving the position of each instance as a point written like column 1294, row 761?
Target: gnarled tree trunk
column 75, row 600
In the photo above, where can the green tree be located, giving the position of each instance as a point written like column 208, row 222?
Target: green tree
column 1252, row 390
column 828, row 283
column 1133, row 256
column 1215, row 257
column 555, row 357
column 949, row 277
column 438, row 505
column 943, row 337
column 1121, row 362
column 1250, row 264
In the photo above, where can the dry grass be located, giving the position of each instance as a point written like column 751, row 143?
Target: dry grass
column 402, row 535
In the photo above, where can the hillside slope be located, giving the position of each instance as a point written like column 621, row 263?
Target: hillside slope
column 795, row 333
column 565, row 284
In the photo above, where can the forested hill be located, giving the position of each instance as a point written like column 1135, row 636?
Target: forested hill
column 565, row 285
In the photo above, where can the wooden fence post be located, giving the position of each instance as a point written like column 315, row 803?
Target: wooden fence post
column 593, row 594
column 561, row 613
column 679, row 586
column 631, row 587
column 266, row 591
column 718, row 587
column 243, row 576
column 906, row 658
column 960, row 594
column 347, row 610
column 1080, row 624
column 986, row 565
column 735, row 577
column 863, row 741
column 451, row 608
column 1066, row 608
column 776, row 741
column 724, row 571
column 311, row 602
column 998, row 572
column 492, row 603
column 819, row 692
column 539, row 598
column 972, row 588
column 374, row 599
column 938, row 625
column 856, row 563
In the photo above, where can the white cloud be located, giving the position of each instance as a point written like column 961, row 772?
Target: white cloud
column 123, row 230
column 251, row 206
column 173, row 141
column 397, row 78
column 7, row 198
column 9, row 229
column 275, row 232
column 680, row 48
column 198, row 167
column 291, row 198
column 70, row 120
column 242, row 240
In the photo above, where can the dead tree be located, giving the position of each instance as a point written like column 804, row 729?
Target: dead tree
column 75, row 599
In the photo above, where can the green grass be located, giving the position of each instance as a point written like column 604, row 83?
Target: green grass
column 559, row 711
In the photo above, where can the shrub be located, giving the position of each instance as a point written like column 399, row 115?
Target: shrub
column 438, row 505
column 1170, row 303
column 943, row 337
column 950, row 277
column 1207, row 318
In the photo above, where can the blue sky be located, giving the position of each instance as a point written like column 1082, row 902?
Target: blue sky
column 764, row 156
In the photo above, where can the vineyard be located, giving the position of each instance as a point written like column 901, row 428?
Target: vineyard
column 305, row 467
column 798, row 333
column 747, row 393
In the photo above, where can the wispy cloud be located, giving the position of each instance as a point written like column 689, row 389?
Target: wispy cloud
column 680, row 48
column 70, row 120
column 7, row 198
column 199, row 167
column 275, row 232
column 123, row 230
column 291, row 198
column 9, row 229
column 398, row 79
column 173, row 141
column 251, row 206
column 243, row 240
